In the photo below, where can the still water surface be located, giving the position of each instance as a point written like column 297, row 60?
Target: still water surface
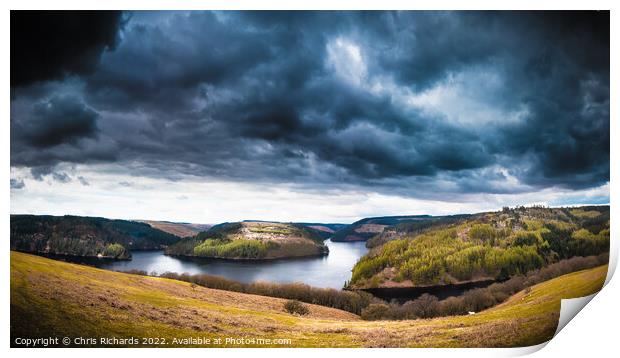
column 327, row 271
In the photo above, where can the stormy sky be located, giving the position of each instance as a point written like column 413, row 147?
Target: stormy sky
column 306, row 116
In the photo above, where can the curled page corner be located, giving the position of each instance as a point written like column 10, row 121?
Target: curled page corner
column 570, row 308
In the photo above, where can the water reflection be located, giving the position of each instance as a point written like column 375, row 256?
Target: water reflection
column 327, row 271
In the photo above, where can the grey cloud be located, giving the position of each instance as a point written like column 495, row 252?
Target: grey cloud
column 61, row 177
column 57, row 121
column 248, row 96
column 17, row 184
column 38, row 173
column 83, row 181
column 55, row 129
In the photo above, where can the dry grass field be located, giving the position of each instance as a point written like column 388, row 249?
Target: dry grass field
column 52, row 298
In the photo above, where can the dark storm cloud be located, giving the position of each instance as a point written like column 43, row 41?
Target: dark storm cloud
column 41, row 172
column 59, row 120
column 55, row 129
column 47, row 45
column 322, row 97
column 565, row 84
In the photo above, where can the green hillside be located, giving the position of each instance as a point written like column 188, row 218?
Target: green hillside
column 252, row 240
column 493, row 245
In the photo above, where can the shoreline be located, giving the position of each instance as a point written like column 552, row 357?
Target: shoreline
column 241, row 259
column 404, row 294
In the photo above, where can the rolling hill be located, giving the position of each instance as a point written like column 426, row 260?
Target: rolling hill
column 53, row 298
column 177, row 229
column 84, row 236
column 486, row 246
column 252, row 240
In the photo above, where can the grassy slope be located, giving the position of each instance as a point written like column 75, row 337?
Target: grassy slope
column 60, row 299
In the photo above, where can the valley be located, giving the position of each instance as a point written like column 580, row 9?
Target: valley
column 410, row 283
column 60, row 299
column 332, row 270
column 314, row 178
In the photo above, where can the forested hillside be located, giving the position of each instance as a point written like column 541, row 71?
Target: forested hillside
column 84, row 236
column 493, row 245
column 252, row 240
column 413, row 227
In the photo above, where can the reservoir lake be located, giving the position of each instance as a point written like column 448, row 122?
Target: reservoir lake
column 321, row 271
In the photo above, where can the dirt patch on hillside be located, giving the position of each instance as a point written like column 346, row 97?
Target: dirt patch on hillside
column 370, row 228
column 177, row 229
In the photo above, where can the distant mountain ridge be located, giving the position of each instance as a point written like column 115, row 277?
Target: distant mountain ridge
column 180, row 229
column 364, row 229
column 324, row 230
